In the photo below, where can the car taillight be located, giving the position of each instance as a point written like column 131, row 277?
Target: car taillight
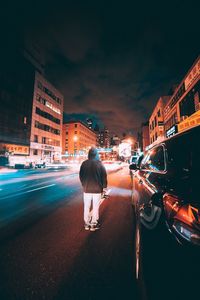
column 188, row 214
column 187, row 223
column 184, row 218
column 171, row 205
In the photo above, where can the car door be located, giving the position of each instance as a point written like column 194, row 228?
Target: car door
column 151, row 186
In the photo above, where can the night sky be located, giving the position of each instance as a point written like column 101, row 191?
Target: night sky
column 112, row 60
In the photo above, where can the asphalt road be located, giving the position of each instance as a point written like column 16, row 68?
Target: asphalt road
column 45, row 251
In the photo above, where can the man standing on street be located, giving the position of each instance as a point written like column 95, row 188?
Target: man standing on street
column 93, row 178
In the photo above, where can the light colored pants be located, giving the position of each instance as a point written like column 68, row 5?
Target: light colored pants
column 94, row 201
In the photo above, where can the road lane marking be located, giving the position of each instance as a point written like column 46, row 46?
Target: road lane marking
column 36, row 177
column 33, row 190
column 40, row 188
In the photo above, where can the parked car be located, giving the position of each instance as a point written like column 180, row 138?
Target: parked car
column 133, row 159
column 40, row 165
column 166, row 191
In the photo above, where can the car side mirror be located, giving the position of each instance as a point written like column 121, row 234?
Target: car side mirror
column 133, row 166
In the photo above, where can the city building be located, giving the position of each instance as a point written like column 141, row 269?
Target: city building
column 90, row 123
column 16, row 98
column 145, row 136
column 104, row 138
column 34, row 54
column 47, row 120
column 115, row 140
column 182, row 111
column 77, row 138
column 31, row 112
column 156, row 120
column 97, row 130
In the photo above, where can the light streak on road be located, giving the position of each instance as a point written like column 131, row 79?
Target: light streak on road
column 30, row 177
column 33, row 190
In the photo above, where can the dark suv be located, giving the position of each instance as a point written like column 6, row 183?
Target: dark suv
column 166, row 191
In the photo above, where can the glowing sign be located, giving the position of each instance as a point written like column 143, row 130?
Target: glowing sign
column 194, row 73
column 107, row 150
column 51, row 106
column 171, row 131
column 125, row 149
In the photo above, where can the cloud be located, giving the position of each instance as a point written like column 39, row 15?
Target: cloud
column 113, row 89
column 113, row 62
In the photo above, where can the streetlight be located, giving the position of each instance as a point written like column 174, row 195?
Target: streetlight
column 129, row 141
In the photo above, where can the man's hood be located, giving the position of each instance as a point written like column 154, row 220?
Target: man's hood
column 93, row 154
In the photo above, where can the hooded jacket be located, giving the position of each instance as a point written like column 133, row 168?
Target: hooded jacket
column 92, row 174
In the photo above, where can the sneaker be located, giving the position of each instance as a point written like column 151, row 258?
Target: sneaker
column 94, row 227
column 87, row 226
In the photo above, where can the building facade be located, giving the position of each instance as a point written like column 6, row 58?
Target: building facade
column 77, row 138
column 16, row 99
column 31, row 110
column 156, row 121
column 104, row 138
column 47, row 120
column 90, row 123
column 182, row 111
column 145, row 136
column 115, row 140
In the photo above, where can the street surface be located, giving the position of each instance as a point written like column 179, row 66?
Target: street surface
column 45, row 251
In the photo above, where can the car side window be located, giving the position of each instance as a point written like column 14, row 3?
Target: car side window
column 154, row 160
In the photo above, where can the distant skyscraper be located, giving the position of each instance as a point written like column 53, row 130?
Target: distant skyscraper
column 115, row 140
column 96, row 128
column 90, row 123
column 104, row 138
